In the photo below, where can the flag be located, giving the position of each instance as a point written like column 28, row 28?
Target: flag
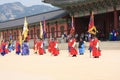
column 25, row 29
column 10, row 38
column 91, row 28
column 72, row 30
column 41, row 30
column 20, row 38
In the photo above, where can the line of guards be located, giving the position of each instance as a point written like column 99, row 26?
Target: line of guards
column 52, row 47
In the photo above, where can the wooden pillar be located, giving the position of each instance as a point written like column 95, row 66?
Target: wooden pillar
column 67, row 21
column 115, row 19
column 8, row 35
column 69, row 25
column 48, row 30
column 3, row 35
column 12, row 33
column 106, row 25
column 34, row 31
column 17, row 34
column 56, row 28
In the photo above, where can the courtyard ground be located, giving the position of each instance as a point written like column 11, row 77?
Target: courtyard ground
column 62, row 67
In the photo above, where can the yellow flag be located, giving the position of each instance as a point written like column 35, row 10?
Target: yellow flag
column 93, row 30
column 20, row 38
column 41, row 30
column 25, row 29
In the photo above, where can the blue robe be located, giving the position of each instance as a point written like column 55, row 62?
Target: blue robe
column 18, row 50
column 114, row 37
column 25, row 48
column 81, row 48
column 11, row 47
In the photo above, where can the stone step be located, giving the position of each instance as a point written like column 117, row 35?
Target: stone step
column 104, row 45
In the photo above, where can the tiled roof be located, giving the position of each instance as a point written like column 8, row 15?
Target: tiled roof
column 33, row 19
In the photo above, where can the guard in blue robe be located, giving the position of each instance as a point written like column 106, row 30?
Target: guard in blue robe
column 25, row 48
column 81, row 47
column 114, row 37
column 11, row 47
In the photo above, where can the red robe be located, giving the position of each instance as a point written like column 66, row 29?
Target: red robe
column 95, row 51
column 69, row 43
column 17, row 44
column 0, row 48
column 73, row 51
column 3, row 48
column 40, row 47
column 55, row 51
column 91, row 43
column 5, row 45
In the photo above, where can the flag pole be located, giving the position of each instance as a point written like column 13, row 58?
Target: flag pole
column 72, row 30
column 44, row 28
column 90, row 52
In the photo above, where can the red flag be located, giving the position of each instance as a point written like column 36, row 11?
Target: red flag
column 72, row 28
column 91, row 28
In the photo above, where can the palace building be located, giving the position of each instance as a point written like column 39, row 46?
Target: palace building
column 106, row 14
column 56, row 25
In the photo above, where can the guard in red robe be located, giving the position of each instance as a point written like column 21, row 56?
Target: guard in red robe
column 72, row 44
column 0, row 47
column 55, row 50
column 3, row 48
column 40, row 47
column 95, row 48
column 6, row 47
